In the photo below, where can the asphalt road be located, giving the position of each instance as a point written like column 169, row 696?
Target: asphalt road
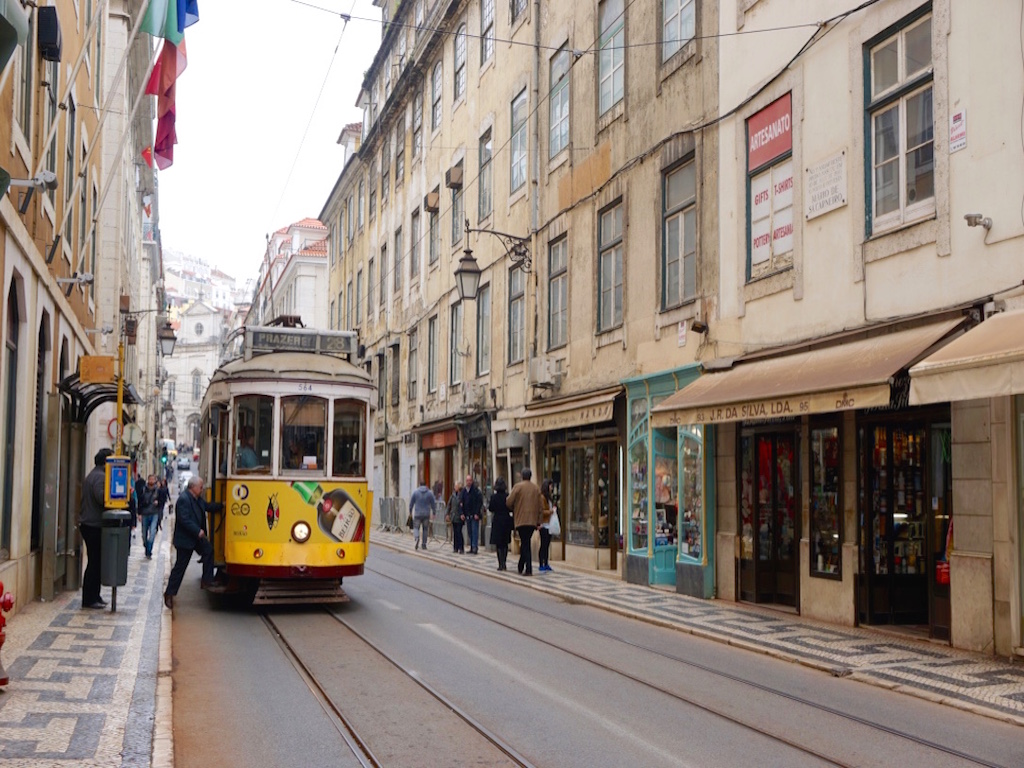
column 562, row 684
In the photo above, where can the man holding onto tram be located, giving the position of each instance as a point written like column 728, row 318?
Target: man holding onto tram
column 190, row 536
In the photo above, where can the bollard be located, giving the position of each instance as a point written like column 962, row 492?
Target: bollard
column 6, row 604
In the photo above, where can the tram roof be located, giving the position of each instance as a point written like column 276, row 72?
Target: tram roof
column 304, row 365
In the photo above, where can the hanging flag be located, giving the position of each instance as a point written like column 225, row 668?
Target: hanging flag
column 147, row 155
column 169, row 18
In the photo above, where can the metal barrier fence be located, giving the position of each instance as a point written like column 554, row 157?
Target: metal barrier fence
column 392, row 513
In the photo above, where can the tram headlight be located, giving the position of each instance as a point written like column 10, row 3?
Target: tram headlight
column 301, row 531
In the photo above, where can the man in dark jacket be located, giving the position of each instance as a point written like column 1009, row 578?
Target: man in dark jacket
column 190, row 536
column 472, row 503
column 151, row 510
column 90, row 520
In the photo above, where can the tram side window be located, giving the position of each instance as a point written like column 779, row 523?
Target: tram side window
column 254, row 430
column 303, row 434
column 349, row 438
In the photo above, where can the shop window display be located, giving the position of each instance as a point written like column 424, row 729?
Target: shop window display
column 666, row 487
column 691, row 524
column 826, row 521
column 638, row 476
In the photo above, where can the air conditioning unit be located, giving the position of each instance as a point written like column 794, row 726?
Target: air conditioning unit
column 543, row 373
column 453, row 177
column 431, row 202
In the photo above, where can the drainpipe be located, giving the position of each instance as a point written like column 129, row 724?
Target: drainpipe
column 531, row 347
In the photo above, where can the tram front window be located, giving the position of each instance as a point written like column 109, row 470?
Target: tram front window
column 254, row 428
column 349, row 453
column 303, row 432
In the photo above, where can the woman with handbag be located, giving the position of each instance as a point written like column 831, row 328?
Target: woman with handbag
column 455, row 513
column 501, row 521
column 547, row 508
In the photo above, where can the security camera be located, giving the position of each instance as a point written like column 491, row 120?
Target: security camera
column 978, row 220
column 85, row 278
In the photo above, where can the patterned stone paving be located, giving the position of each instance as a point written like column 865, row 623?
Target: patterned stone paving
column 82, row 682
column 977, row 683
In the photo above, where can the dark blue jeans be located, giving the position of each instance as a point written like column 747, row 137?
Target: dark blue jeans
column 149, row 524
column 473, row 525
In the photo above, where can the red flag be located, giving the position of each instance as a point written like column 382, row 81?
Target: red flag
column 147, row 155
column 169, row 65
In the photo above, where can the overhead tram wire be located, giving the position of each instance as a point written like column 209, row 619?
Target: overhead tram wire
column 821, row 28
column 284, row 188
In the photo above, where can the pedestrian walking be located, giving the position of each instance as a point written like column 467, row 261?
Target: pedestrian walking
column 190, row 536
column 422, row 505
column 90, row 520
column 501, row 522
column 472, row 509
column 151, row 510
column 455, row 513
column 547, row 507
column 526, row 503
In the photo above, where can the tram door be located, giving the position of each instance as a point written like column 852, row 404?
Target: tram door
column 769, row 522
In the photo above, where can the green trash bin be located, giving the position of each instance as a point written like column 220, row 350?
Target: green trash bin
column 114, row 540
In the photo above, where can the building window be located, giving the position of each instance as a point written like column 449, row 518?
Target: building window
column 373, row 192
column 902, row 131
column 680, row 24
column 332, row 325
column 417, row 124
column 609, row 238
column 400, row 152
column 370, row 275
column 350, row 307
column 414, row 353
column 69, row 169
column 435, row 98
column 359, row 297
column 558, row 293
column 516, row 314
column 435, row 237
column 418, row 18
column 414, row 245
column 558, row 136
column 398, row 260
column 460, row 62
column 484, row 180
column 612, row 57
column 382, row 380
column 396, row 372
column 518, row 9
column 770, row 160
column 383, row 274
column 486, row 30
column 385, row 172
column 432, row 339
column 826, row 516
column 679, row 239
column 483, row 330
column 170, row 390
column 457, row 213
column 362, row 207
column 24, row 73
column 52, row 80
column 517, row 158
column 454, row 353
column 197, row 386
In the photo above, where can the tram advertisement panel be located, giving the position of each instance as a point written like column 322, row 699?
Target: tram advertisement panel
column 266, row 509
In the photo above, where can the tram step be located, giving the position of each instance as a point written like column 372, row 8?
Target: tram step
column 298, row 592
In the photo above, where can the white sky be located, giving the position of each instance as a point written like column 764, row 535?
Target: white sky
column 243, row 105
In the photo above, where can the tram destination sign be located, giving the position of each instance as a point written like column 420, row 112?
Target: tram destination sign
column 265, row 339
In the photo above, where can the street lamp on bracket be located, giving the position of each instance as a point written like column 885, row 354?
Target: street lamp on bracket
column 467, row 274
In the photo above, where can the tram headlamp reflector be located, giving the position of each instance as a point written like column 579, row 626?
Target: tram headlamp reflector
column 301, row 531
column 257, row 553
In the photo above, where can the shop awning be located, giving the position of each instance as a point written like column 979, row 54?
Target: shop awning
column 987, row 361
column 86, row 398
column 574, row 411
column 845, row 376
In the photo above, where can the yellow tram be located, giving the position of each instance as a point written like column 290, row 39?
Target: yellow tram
column 286, row 428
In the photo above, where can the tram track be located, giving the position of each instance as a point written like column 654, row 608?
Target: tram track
column 692, row 701
column 349, row 732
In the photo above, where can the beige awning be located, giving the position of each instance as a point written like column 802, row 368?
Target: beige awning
column 587, row 408
column 987, row 361
column 843, row 377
